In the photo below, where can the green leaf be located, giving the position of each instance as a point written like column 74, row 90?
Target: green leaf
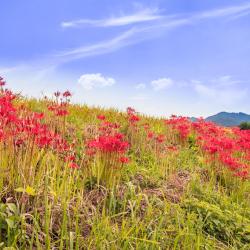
column 20, row 190
column 12, row 207
column 11, row 223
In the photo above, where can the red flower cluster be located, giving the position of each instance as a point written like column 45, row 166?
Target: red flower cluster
column 60, row 106
column 109, row 142
column 2, row 82
column 20, row 126
column 132, row 117
column 230, row 148
column 101, row 117
column 180, row 124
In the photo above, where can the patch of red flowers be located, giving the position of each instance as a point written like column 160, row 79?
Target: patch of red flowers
column 180, row 124
column 21, row 126
column 231, row 147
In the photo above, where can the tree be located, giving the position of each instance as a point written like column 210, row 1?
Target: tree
column 245, row 125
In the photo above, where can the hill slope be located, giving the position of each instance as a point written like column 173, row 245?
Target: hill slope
column 74, row 177
column 229, row 119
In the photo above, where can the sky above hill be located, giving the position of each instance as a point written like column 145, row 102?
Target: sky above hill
column 162, row 57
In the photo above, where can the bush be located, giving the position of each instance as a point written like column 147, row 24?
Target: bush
column 225, row 225
column 245, row 126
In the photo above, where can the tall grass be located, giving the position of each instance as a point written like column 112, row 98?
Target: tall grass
column 74, row 177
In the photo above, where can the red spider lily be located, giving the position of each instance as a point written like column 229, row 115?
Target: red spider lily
column 242, row 174
column 160, row 138
column 150, row 135
column 124, row 160
column 132, row 117
column 38, row 116
column 90, row 151
column 57, row 94
column 67, row 94
column 226, row 145
column 73, row 165
column 19, row 128
column 70, row 158
column 107, row 128
column 59, row 109
column 130, row 111
column 109, row 143
column 172, row 148
column 2, row 82
column 146, row 126
column 61, row 112
column 101, row 117
column 180, row 124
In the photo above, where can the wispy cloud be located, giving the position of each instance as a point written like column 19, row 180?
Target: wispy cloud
column 141, row 16
column 5, row 70
column 224, row 12
column 90, row 81
column 137, row 33
column 143, row 32
column 225, row 81
column 162, row 83
column 223, row 90
column 140, row 86
column 99, row 48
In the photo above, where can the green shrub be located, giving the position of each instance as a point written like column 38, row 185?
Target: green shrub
column 10, row 225
column 245, row 126
column 225, row 225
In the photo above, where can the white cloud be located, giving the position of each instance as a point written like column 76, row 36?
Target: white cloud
column 134, row 35
column 100, row 48
column 162, row 83
column 226, row 80
column 226, row 11
column 147, row 30
column 223, row 91
column 5, row 70
column 144, row 15
column 90, row 81
column 140, row 86
column 205, row 90
column 152, row 14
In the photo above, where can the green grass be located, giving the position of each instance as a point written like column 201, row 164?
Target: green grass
column 170, row 202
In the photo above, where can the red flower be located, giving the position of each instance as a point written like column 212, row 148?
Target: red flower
column 101, row 117
column 67, row 94
column 150, row 135
column 124, row 159
column 61, row 112
column 2, row 82
column 73, row 165
column 57, row 94
column 160, row 138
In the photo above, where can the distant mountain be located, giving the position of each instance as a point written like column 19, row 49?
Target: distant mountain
column 229, row 119
column 193, row 119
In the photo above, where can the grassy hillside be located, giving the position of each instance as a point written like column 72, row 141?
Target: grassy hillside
column 74, row 177
column 229, row 119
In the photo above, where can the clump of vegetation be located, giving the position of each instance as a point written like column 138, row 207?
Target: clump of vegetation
column 74, row 177
column 245, row 125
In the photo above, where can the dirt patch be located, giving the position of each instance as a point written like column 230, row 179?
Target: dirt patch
column 173, row 189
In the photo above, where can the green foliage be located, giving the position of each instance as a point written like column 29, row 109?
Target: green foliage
column 223, row 224
column 10, row 225
column 245, row 125
column 151, row 207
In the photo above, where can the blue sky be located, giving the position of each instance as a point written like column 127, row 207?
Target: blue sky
column 162, row 57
